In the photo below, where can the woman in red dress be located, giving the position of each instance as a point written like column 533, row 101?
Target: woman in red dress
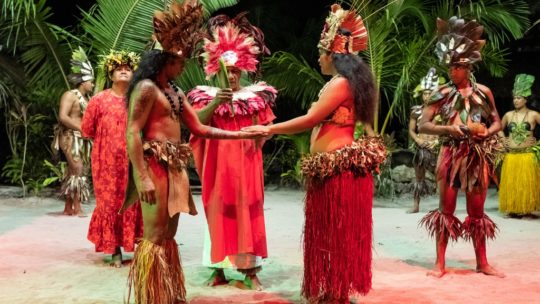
column 338, row 219
column 231, row 171
column 105, row 122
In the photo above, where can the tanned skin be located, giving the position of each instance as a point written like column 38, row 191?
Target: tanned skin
column 70, row 116
column 150, row 114
column 330, row 137
column 460, row 75
column 424, row 141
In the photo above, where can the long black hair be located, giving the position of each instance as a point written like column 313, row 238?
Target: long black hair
column 152, row 62
column 361, row 82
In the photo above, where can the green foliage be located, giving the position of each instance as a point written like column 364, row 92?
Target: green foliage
column 292, row 172
column 127, row 25
column 293, row 77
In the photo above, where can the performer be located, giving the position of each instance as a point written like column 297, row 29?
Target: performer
column 469, row 144
column 519, row 194
column 156, row 110
column 75, row 186
column 425, row 158
column 105, row 122
column 338, row 206
column 234, row 204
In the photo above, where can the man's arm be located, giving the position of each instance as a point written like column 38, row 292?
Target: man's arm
column 412, row 131
column 192, row 122
column 427, row 126
column 66, row 104
column 140, row 105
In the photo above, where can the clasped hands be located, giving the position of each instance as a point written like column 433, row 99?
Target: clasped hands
column 462, row 131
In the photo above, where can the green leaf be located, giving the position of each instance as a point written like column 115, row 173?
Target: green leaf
column 293, row 77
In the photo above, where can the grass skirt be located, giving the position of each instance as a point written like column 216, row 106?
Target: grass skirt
column 519, row 191
column 338, row 236
column 156, row 274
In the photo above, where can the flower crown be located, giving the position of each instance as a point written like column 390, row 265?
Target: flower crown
column 178, row 29
column 344, row 32
column 459, row 41
column 115, row 59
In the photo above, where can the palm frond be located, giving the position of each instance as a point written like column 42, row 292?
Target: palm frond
column 495, row 60
column 211, row 6
column 293, row 77
column 502, row 20
column 192, row 75
column 127, row 25
column 41, row 50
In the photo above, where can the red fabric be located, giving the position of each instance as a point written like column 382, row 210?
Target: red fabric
column 105, row 121
column 338, row 237
column 232, row 180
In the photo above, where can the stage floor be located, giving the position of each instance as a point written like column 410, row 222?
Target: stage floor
column 45, row 257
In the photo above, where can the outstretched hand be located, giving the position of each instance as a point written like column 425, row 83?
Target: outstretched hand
column 251, row 135
column 263, row 130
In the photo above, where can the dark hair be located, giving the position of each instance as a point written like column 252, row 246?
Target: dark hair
column 152, row 62
column 361, row 82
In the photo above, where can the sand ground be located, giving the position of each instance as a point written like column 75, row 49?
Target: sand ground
column 45, row 257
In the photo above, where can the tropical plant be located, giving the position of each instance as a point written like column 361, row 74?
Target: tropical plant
column 400, row 45
column 401, row 41
column 127, row 25
column 300, row 146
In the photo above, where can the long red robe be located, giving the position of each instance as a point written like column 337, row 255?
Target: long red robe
column 105, row 121
column 231, row 172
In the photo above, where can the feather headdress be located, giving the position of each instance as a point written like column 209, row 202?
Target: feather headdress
column 429, row 82
column 81, row 68
column 459, row 41
column 235, row 41
column 178, row 29
column 344, row 32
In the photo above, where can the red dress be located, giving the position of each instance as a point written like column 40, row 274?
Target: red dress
column 105, row 122
column 231, row 172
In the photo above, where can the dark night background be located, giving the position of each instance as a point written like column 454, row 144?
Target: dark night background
column 300, row 21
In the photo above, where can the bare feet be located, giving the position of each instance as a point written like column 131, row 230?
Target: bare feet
column 255, row 283
column 68, row 208
column 413, row 210
column 79, row 213
column 437, row 272
column 217, row 278
column 117, row 260
column 488, row 270
column 251, row 282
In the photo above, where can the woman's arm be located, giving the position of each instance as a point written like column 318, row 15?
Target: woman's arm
column 192, row 122
column 336, row 92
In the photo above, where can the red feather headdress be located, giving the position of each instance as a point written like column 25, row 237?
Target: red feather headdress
column 334, row 40
column 233, row 46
